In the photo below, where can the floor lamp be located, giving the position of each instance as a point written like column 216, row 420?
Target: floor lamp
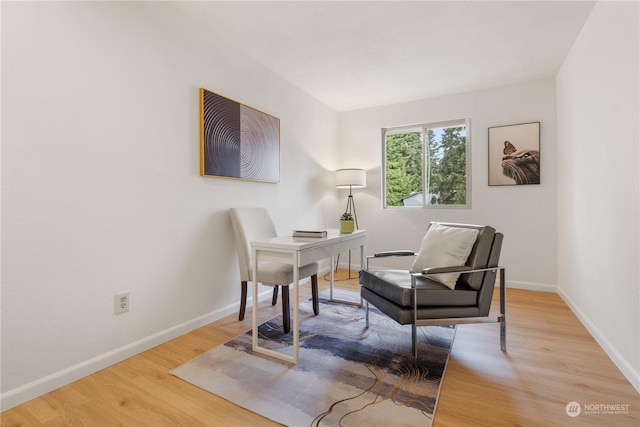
column 350, row 178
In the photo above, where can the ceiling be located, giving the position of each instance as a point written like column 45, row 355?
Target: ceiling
column 357, row 54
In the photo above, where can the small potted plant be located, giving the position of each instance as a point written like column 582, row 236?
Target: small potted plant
column 347, row 224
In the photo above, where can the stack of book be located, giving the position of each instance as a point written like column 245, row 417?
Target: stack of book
column 309, row 233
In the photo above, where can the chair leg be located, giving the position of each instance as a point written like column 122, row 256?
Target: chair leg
column 274, row 298
column 314, row 294
column 503, row 311
column 286, row 315
column 366, row 305
column 243, row 299
column 503, row 335
column 414, row 341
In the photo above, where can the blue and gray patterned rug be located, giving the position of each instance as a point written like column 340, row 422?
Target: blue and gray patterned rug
column 347, row 375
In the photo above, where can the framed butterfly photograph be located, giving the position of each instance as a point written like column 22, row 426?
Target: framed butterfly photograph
column 514, row 154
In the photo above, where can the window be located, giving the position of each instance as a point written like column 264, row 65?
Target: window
column 427, row 165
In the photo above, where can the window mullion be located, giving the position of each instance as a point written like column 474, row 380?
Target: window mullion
column 426, row 171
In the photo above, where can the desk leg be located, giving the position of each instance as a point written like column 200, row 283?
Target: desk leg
column 254, row 305
column 296, row 307
column 361, row 268
column 331, row 277
column 331, row 282
column 296, row 330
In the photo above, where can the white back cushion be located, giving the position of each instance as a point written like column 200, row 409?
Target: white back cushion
column 445, row 246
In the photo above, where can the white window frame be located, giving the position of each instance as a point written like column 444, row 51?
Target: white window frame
column 423, row 127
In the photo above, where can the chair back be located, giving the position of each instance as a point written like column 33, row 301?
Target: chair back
column 484, row 254
column 486, row 292
column 249, row 224
column 479, row 256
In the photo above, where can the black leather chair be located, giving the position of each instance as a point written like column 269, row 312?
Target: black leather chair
column 415, row 298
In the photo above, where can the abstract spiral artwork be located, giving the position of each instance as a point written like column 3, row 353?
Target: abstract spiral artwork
column 237, row 141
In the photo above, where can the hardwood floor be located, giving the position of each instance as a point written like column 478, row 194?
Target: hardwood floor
column 551, row 360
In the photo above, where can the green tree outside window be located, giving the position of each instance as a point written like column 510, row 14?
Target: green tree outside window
column 426, row 157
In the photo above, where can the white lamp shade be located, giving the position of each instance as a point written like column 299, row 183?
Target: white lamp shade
column 351, row 178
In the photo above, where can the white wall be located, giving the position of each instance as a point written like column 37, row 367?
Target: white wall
column 525, row 214
column 101, row 192
column 598, row 181
column 101, row 189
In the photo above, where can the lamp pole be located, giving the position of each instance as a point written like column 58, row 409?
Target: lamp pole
column 351, row 207
column 350, row 178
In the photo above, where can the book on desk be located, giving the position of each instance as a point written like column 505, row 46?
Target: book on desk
column 310, row 233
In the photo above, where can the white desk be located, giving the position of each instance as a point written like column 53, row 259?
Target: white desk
column 299, row 251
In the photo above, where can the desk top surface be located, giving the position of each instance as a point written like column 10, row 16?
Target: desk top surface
column 300, row 243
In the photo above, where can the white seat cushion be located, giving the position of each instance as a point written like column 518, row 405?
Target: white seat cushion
column 274, row 273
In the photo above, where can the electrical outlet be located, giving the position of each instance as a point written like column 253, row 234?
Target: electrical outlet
column 121, row 302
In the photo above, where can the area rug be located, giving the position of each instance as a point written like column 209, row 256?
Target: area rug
column 347, row 375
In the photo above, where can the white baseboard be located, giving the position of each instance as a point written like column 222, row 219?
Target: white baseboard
column 66, row 376
column 61, row 378
column 621, row 363
column 529, row 286
column 345, row 265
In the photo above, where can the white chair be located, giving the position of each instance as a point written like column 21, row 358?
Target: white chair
column 253, row 224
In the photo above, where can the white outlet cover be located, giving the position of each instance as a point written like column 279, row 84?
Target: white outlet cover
column 121, row 302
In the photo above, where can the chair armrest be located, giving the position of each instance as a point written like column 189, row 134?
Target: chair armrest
column 393, row 253
column 387, row 254
column 440, row 270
